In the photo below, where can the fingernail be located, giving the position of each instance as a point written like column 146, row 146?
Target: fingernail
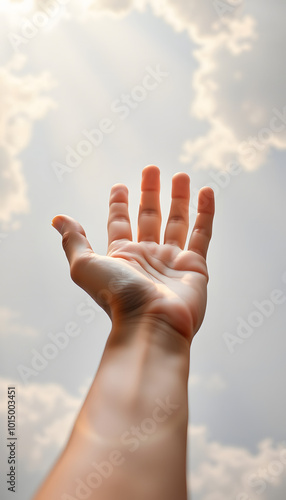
column 57, row 223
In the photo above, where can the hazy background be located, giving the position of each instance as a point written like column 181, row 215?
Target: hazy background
column 217, row 113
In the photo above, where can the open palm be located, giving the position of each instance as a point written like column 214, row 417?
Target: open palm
column 146, row 278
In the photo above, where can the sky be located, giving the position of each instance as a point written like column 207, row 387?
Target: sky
column 189, row 86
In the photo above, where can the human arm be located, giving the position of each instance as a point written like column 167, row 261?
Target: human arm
column 155, row 296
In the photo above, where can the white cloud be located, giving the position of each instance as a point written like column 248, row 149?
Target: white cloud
column 46, row 414
column 113, row 7
column 22, row 102
column 221, row 472
column 10, row 325
column 238, row 80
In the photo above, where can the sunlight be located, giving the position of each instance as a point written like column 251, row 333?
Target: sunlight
column 17, row 7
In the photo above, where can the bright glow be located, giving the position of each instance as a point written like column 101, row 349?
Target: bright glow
column 19, row 7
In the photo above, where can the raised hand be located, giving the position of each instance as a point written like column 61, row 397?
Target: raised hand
column 146, row 279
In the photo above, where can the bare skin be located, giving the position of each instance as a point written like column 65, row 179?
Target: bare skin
column 155, row 295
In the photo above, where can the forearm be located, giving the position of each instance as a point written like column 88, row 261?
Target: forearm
column 129, row 440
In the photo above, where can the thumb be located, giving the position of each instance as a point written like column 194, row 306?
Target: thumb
column 87, row 269
column 74, row 241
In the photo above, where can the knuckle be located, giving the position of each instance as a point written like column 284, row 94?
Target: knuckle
column 149, row 212
column 202, row 230
column 77, row 268
column 178, row 218
column 117, row 218
column 66, row 240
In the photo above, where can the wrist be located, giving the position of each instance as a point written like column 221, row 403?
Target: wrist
column 147, row 344
column 144, row 361
column 150, row 329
